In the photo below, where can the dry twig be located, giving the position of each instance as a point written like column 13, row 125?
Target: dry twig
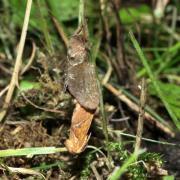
column 42, row 108
column 135, row 108
column 61, row 32
column 141, row 116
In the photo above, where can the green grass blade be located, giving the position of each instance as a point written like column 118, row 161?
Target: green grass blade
column 118, row 132
column 168, row 178
column 44, row 28
column 30, row 151
column 172, row 50
column 118, row 172
column 154, row 81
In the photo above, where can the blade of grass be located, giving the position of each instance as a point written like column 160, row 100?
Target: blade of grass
column 154, row 81
column 118, row 132
column 30, row 151
column 118, row 172
column 104, row 118
column 45, row 166
column 102, row 109
column 25, row 171
column 168, row 178
column 94, row 54
column 171, row 50
column 44, row 28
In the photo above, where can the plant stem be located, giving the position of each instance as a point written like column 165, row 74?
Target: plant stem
column 81, row 12
column 44, row 28
column 141, row 116
column 17, row 67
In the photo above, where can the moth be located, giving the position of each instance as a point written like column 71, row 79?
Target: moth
column 80, row 74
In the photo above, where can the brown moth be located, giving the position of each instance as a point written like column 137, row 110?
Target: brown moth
column 80, row 124
column 80, row 76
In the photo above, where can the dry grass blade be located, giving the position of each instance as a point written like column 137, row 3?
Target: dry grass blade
column 3, row 91
column 92, row 165
column 31, row 59
column 60, row 32
column 24, row 171
column 109, row 71
column 14, row 79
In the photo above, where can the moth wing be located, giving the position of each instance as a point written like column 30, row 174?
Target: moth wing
column 82, row 84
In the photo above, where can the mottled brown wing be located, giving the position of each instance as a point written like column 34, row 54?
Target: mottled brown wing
column 82, row 84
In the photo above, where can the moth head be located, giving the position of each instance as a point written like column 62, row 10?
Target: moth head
column 77, row 51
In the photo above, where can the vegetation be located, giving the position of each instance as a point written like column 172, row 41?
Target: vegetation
column 135, row 48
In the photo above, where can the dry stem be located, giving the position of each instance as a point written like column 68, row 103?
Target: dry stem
column 17, row 67
column 61, row 32
column 141, row 116
column 135, row 108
